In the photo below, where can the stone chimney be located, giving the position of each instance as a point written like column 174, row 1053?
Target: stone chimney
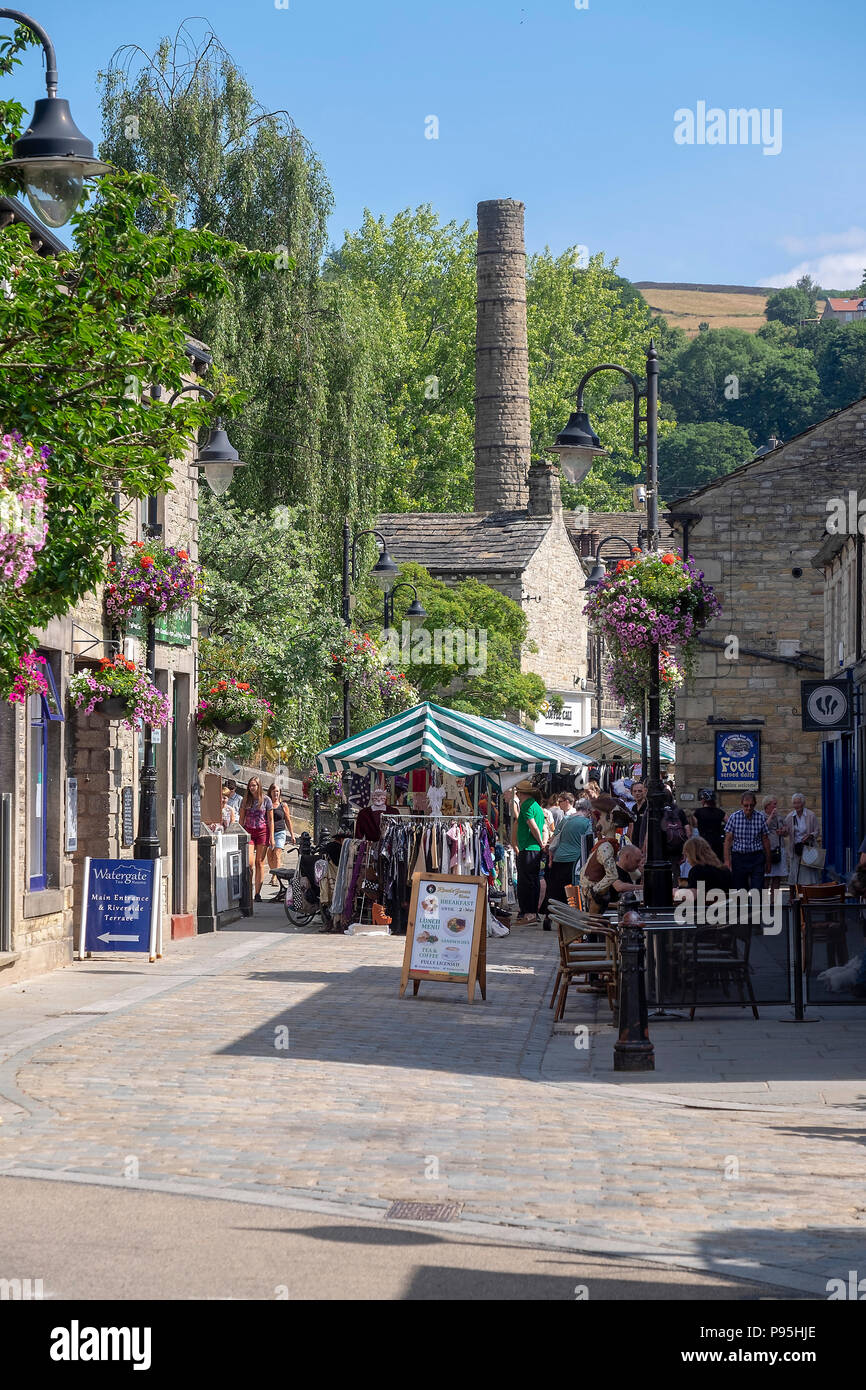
column 501, row 360
column 545, row 498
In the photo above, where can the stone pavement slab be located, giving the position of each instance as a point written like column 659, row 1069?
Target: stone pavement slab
column 281, row 1062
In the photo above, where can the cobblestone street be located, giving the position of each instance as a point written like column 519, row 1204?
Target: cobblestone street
column 282, row 1063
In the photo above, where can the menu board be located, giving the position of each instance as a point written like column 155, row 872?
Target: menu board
column 446, row 938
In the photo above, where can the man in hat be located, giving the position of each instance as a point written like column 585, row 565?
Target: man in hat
column 527, row 837
column 601, row 876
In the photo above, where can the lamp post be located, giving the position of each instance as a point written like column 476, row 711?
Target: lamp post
column 577, row 446
column 219, row 461
column 52, row 158
column 415, row 613
column 597, row 577
column 384, row 572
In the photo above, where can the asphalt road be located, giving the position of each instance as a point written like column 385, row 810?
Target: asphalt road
column 90, row 1242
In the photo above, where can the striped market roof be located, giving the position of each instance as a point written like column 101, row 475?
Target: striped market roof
column 461, row 744
column 611, row 743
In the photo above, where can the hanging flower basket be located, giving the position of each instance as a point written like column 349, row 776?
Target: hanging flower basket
column 356, row 658
column 150, row 578
column 23, row 528
column 30, row 679
column 231, row 707
column 656, row 600
column 120, row 690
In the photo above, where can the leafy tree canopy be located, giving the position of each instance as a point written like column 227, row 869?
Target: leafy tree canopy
column 789, row 306
column 81, row 338
column 296, row 342
column 694, row 455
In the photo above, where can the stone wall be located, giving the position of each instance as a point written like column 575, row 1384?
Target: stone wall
column 759, row 531
column 502, row 436
column 104, row 758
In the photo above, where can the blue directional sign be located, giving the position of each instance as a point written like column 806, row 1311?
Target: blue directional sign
column 120, row 911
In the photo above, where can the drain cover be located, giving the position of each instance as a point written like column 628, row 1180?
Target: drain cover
column 423, row 1211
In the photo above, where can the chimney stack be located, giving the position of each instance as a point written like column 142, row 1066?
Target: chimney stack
column 502, row 436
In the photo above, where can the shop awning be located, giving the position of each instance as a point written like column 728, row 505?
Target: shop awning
column 461, row 744
column 614, row 743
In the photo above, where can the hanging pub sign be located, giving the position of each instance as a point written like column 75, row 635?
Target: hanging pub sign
column 120, row 909
column 738, row 760
column 446, row 937
column 826, row 706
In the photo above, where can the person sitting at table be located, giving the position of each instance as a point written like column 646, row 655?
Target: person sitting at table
column 705, row 867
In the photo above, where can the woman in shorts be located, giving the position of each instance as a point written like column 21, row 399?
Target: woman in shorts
column 257, row 818
column 282, row 831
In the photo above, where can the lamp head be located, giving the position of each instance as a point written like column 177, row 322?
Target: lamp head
column 51, row 160
column 578, row 446
column 219, row 460
column 385, row 570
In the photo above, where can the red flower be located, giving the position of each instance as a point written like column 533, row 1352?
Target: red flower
column 182, row 555
column 669, row 559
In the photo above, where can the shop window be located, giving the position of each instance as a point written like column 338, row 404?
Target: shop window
column 42, row 712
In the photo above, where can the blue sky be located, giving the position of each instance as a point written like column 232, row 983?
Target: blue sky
column 570, row 110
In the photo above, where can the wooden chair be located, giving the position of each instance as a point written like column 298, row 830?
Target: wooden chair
column 722, row 957
column 827, row 928
column 580, row 959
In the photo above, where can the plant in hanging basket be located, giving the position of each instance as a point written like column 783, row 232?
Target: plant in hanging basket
column 396, row 690
column 231, row 707
column 151, row 578
column 653, row 600
column 329, row 785
column 23, row 527
column 30, row 679
column 356, row 657
column 120, row 690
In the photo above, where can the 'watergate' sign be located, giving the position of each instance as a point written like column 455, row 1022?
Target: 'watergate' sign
column 120, row 910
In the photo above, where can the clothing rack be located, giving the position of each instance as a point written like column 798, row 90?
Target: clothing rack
column 390, row 816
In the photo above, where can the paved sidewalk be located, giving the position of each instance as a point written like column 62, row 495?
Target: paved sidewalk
column 271, row 1061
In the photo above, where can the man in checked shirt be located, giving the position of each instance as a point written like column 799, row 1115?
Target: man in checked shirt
column 747, row 845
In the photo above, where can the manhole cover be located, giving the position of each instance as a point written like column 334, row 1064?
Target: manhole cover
column 423, row 1211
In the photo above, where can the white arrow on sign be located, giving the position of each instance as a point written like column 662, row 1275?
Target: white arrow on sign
column 106, row 936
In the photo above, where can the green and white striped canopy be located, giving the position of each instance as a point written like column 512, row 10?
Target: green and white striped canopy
column 614, row 743
column 461, row 744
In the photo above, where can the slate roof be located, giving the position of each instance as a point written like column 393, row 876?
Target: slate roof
column 625, row 524
column 464, row 542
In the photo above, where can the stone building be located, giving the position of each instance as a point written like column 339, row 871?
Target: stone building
column 755, row 533
column 69, row 784
column 840, row 560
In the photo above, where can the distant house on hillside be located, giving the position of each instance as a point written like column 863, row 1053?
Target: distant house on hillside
column 844, row 310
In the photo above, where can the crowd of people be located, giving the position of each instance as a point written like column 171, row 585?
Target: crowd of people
column 599, row 842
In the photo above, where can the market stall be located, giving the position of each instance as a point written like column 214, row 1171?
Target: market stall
column 445, row 768
column 614, row 754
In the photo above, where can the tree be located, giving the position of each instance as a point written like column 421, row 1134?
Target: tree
column 840, row 359
column 416, row 280
column 488, row 630
column 80, row 339
column 694, row 455
column 789, row 306
column 762, row 382
column 576, row 320
column 295, row 341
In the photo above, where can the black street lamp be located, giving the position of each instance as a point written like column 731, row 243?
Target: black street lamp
column 577, row 446
column 384, row 572
column 415, row 613
column 52, row 158
column 597, row 577
column 219, row 460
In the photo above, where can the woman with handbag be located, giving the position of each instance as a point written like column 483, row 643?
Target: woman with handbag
column 778, row 833
column 804, row 834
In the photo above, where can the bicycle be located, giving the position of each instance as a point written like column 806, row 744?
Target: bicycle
column 298, row 916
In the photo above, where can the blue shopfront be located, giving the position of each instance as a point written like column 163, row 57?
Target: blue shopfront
column 843, row 787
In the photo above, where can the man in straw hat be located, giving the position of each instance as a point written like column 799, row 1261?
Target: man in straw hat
column 610, row 869
column 527, row 837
